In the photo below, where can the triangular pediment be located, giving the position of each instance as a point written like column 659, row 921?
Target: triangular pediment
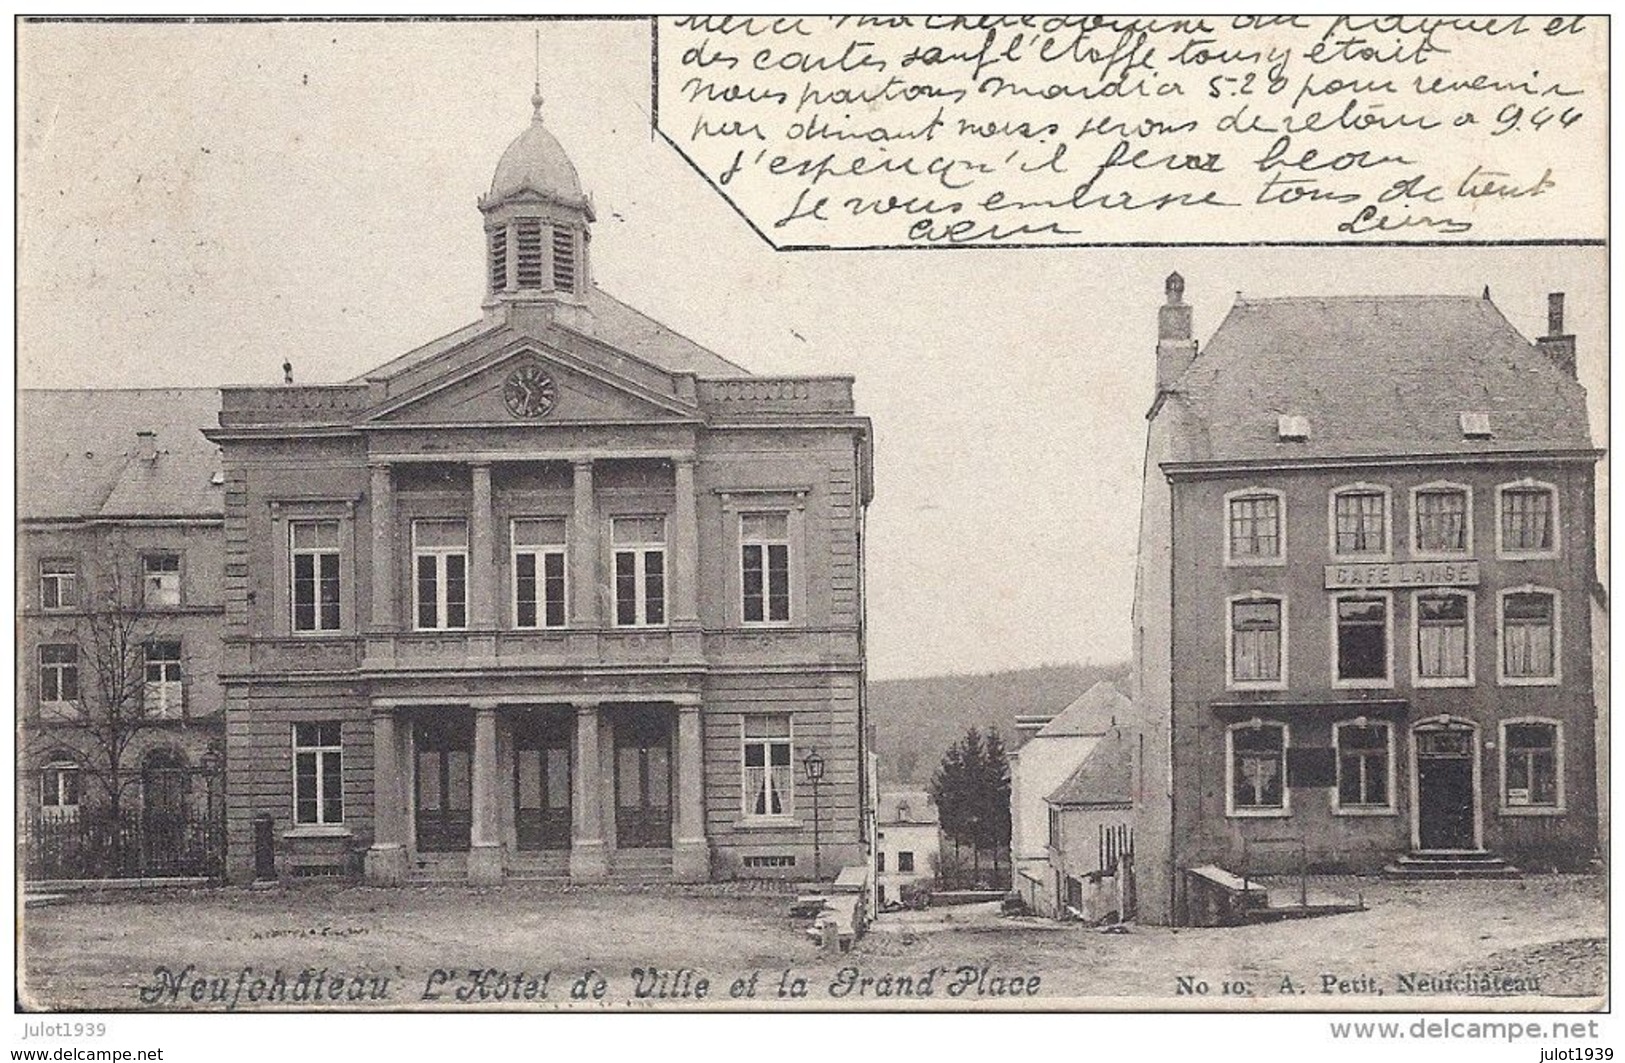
column 524, row 381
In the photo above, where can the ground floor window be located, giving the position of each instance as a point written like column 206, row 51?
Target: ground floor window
column 767, row 762
column 318, row 761
column 1364, row 761
column 1257, row 768
column 59, row 786
column 1532, row 756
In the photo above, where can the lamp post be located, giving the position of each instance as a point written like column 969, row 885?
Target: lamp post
column 813, row 765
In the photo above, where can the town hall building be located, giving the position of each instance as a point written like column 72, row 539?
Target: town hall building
column 561, row 594
column 1364, row 596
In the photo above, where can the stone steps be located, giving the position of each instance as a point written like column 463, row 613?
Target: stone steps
column 1441, row 864
column 640, row 865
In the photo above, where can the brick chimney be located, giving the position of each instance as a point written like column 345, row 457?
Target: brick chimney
column 1558, row 345
column 1175, row 348
column 146, row 445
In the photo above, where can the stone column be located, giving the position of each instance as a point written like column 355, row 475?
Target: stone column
column 584, row 611
column 485, row 840
column 382, row 499
column 691, row 854
column 386, row 859
column 588, row 860
column 482, row 611
column 685, row 562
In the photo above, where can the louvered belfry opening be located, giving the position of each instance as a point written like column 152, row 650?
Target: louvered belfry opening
column 529, row 234
column 564, row 259
column 499, row 259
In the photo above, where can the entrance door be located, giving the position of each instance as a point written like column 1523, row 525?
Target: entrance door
column 166, row 798
column 444, row 790
column 541, row 765
column 1444, row 789
column 643, row 779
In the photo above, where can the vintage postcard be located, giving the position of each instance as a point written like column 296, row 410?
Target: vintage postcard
column 811, row 513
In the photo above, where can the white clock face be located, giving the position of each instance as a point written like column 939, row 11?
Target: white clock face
column 529, row 392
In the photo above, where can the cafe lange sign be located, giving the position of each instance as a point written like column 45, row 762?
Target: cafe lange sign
column 1383, row 574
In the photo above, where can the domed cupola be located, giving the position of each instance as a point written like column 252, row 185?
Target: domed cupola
column 536, row 222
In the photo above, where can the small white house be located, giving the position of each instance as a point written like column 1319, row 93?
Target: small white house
column 907, row 838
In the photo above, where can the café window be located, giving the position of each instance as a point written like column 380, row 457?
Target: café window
column 1530, row 637
column 1257, row 641
column 1359, row 521
column 1527, row 519
column 1364, row 766
column 1444, row 638
column 1532, row 766
column 1443, row 520
column 1363, row 637
column 1254, row 527
column 1257, row 769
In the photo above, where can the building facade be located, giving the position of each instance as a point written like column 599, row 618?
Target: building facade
column 1090, row 846
column 1364, row 598
column 1053, row 752
column 561, row 593
column 119, row 608
column 907, row 840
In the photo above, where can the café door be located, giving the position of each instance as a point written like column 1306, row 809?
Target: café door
column 1445, row 800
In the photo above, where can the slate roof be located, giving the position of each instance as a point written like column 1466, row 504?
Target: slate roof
column 614, row 323
column 77, row 454
column 1093, row 713
column 1104, row 777
column 917, row 803
column 1375, row 376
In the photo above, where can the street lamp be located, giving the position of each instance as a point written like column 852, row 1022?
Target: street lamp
column 813, row 765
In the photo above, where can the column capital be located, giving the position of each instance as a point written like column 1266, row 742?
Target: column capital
column 685, row 458
column 478, row 463
column 586, row 705
column 688, row 702
column 379, row 466
column 582, row 463
column 484, row 705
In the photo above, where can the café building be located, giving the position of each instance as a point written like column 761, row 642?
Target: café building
column 1366, row 584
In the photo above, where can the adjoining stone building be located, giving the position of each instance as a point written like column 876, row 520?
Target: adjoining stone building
column 1363, row 602
column 119, row 540
column 561, row 593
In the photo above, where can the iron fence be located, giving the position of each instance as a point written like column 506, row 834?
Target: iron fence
column 87, row 844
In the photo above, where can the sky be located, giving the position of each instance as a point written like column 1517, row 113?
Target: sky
column 197, row 204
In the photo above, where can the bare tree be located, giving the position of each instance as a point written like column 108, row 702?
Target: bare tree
column 112, row 635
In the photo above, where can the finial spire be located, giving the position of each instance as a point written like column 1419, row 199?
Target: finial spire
column 536, row 93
